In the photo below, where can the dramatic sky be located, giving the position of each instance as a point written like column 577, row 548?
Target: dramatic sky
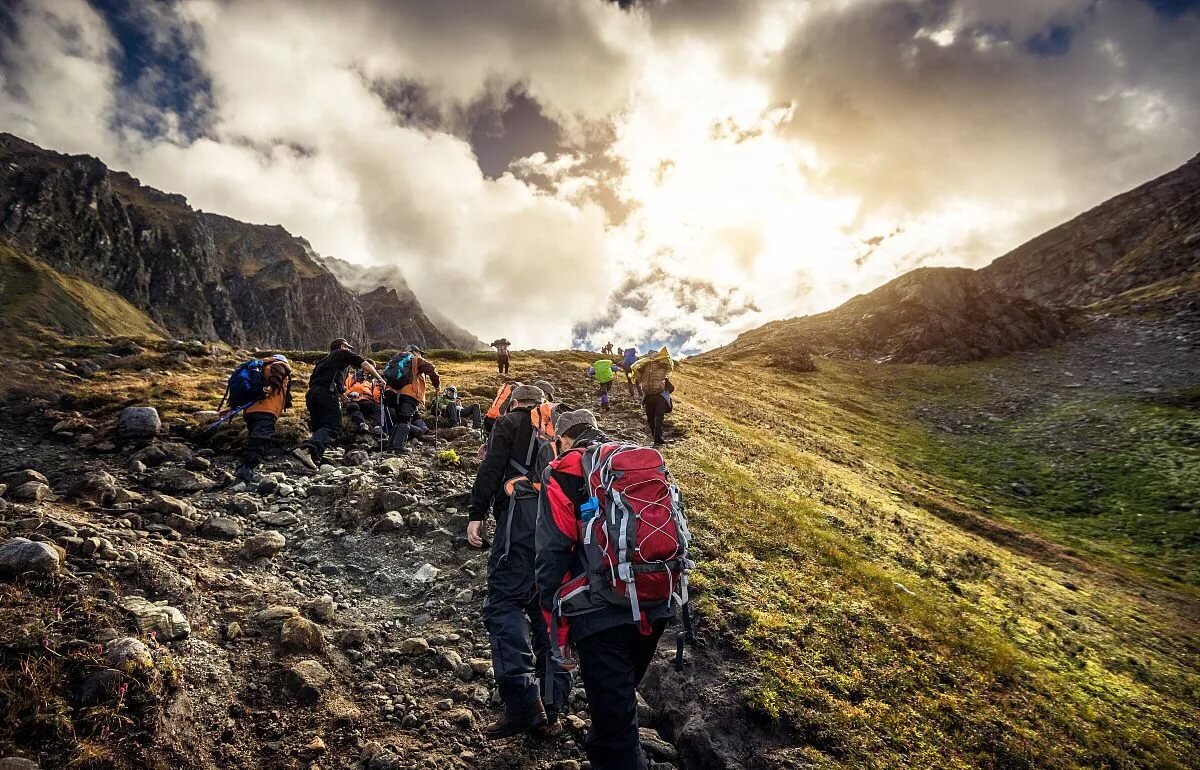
column 561, row 171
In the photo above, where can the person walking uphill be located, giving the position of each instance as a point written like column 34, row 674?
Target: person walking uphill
column 592, row 495
column 262, row 415
column 653, row 376
column 406, row 392
column 324, row 400
column 511, row 610
column 602, row 372
column 502, row 357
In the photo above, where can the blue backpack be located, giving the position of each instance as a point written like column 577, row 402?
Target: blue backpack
column 396, row 373
column 246, row 385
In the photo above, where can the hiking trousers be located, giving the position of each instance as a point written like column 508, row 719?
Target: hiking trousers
column 403, row 412
column 512, row 612
column 612, row 663
column 324, row 420
column 363, row 412
column 456, row 415
column 261, row 429
column 656, row 410
column 502, row 364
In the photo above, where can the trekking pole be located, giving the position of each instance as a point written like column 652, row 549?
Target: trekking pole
column 437, row 403
column 686, row 634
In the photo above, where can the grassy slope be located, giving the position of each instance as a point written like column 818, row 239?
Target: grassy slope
column 814, row 508
column 37, row 301
column 884, row 620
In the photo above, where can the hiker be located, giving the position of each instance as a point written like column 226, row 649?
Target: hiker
column 502, row 356
column 364, row 402
column 511, row 611
column 450, row 406
column 405, row 377
column 628, row 359
column 324, row 400
column 607, row 350
column 602, row 373
column 615, row 632
column 652, row 373
column 261, row 416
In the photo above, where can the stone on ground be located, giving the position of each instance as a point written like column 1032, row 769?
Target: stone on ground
column 20, row 556
column 138, row 422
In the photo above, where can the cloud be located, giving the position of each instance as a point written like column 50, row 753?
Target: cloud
column 707, row 166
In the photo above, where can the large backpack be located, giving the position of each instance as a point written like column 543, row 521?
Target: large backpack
column 541, row 451
column 503, row 400
column 246, row 385
column 633, row 534
column 398, row 371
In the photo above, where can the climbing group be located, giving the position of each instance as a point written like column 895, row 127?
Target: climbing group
column 589, row 554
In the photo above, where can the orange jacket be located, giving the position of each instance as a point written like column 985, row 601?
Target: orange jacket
column 363, row 391
column 416, row 384
column 277, row 375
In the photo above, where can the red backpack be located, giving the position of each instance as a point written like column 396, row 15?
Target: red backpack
column 633, row 533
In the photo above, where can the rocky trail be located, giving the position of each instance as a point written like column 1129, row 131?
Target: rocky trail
column 155, row 614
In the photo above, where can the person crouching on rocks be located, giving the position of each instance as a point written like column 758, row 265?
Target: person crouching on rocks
column 512, row 611
column 262, row 415
column 453, row 411
column 364, row 398
column 324, row 400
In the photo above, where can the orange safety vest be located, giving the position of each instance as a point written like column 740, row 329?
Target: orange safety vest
column 503, row 394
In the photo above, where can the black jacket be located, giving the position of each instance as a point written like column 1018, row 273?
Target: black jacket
column 509, row 441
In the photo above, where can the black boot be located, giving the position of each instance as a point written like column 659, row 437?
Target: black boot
column 509, row 725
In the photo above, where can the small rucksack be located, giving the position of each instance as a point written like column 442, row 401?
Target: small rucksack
column 246, row 385
column 398, row 370
column 633, row 533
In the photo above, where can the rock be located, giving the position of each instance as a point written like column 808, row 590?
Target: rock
column 18, row 763
column 268, row 487
column 20, row 556
column 461, row 717
column 351, row 637
column 356, row 457
column 327, row 490
column 315, row 746
column 17, row 478
column 1022, row 489
column 264, row 545
column 175, row 481
column 278, row 518
column 575, row 722
column 306, row 681
column 99, row 487
column 322, row 608
column 138, row 422
column 128, row 655
column 198, row 464
column 166, row 504
column 273, row 617
column 392, row 500
column 426, row 574
column 166, row 622
column 656, row 747
column 301, row 634
column 221, row 527
column 411, row 475
column 389, row 522
column 29, row 492
column 565, row 764
column 414, row 646
column 244, row 505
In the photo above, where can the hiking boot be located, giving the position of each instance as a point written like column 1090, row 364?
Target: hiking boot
column 377, row 432
column 247, row 474
column 553, row 725
column 363, row 427
column 508, row 725
column 304, row 455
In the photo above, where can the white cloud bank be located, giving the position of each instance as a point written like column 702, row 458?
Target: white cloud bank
column 776, row 157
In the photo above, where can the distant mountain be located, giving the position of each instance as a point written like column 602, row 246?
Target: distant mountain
column 191, row 273
column 1138, row 251
column 393, row 314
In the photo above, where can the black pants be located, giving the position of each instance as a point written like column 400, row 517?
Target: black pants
column 502, row 364
column 656, row 410
column 402, row 410
column 324, row 420
column 455, row 415
column 612, row 663
column 363, row 412
column 513, row 614
column 261, row 428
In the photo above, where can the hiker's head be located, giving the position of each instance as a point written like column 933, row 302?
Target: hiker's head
column 359, row 375
column 451, row 392
column 527, row 395
column 415, row 350
column 546, row 388
column 341, row 343
column 571, row 425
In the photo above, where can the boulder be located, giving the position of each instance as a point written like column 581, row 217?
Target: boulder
column 322, row 608
column 389, row 522
column 20, row 556
column 426, row 574
column 166, row 622
column 306, row 681
column 273, row 617
column 278, row 518
column 221, row 528
column 301, row 634
column 17, row 478
column 99, row 487
column 29, row 492
column 18, row 763
column 174, row 481
column 128, row 655
column 264, row 545
column 414, row 646
column 138, row 422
